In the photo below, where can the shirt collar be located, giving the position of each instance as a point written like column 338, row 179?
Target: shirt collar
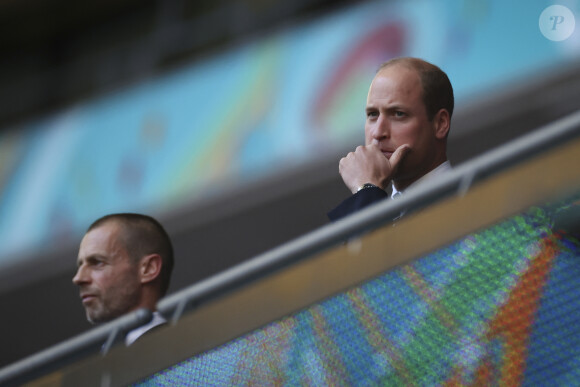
column 133, row 335
column 443, row 167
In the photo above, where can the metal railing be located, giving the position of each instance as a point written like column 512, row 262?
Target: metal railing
column 456, row 182
column 101, row 338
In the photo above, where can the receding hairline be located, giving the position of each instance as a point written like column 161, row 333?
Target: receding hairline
column 120, row 234
column 415, row 64
column 382, row 70
column 126, row 219
column 436, row 87
column 126, row 235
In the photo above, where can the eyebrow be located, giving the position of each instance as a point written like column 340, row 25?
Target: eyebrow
column 397, row 107
column 91, row 257
column 388, row 108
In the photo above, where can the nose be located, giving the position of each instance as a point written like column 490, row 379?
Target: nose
column 381, row 129
column 81, row 276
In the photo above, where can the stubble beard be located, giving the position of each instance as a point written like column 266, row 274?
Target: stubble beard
column 98, row 315
column 102, row 313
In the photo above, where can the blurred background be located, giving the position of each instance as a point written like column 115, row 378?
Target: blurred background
column 225, row 120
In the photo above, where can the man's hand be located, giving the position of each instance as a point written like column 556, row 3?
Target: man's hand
column 367, row 164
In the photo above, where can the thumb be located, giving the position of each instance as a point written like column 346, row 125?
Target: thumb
column 398, row 155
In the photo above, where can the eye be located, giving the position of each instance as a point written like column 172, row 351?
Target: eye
column 95, row 262
column 400, row 114
column 372, row 113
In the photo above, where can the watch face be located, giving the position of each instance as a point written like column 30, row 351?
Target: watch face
column 366, row 185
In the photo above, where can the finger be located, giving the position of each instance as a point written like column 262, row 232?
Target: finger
column 342, row 162
column 359, row 150
column 398, row 155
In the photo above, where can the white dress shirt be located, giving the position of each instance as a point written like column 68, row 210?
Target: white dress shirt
column 138, row 332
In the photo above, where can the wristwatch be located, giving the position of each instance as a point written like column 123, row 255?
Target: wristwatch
column 366, row 185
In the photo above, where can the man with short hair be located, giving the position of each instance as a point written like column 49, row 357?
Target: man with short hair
column 408, row 116
column 124, row 264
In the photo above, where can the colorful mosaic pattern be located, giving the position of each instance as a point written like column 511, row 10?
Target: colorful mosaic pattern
column 499, row 307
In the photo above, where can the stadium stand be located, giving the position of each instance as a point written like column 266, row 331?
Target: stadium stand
column 98, row 49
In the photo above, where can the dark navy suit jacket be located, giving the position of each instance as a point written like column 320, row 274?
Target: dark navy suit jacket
column 359, row 200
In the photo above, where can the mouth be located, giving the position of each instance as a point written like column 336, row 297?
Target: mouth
column 87, row 298
column 387, row 153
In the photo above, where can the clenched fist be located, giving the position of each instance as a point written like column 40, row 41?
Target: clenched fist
column 367, row 164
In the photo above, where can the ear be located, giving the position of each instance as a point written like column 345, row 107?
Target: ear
column 441, row 124
column 150, row 267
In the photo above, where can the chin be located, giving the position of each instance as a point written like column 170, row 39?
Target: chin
column 97, row 318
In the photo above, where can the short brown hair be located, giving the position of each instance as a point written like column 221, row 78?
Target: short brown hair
column 437, row 89
column 143, row 235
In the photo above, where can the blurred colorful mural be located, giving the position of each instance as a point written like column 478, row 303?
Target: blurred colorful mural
column 249, row 112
